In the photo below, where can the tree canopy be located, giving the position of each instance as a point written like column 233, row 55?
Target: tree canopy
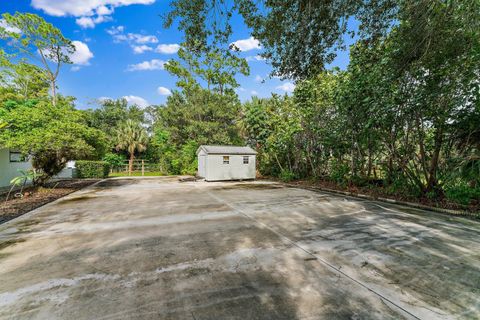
column 31, row 36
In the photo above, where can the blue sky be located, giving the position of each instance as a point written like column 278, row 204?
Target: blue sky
column 121, row 47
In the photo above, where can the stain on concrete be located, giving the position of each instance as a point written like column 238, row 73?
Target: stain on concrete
column 248, row 186
column 76, row 199
column 11, row 242
column 110, row 183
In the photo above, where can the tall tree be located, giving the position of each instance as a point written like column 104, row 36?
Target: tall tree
column 216, row 68
column 131, row 137
column 110, row 114
column 26, row 80
column 30, row 35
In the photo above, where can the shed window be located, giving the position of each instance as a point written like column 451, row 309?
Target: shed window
column 17, row 157
column 245, row 159
column 226, row 160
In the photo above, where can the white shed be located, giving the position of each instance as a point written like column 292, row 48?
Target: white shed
column 217, row 163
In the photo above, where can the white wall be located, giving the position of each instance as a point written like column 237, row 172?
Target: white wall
column 235, row 170
column 68, row 172
column 201, row 163
column 9, row 170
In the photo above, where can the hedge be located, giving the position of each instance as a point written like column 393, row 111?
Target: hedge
column 92, row 169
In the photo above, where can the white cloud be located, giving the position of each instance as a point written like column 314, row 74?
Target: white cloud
column 104, row 10
column 115, row 30
column 164, row 91
column 85, row 22
column 79, row 8
column 141, row 49
column 287, row 87
column 258, row 78
column 247, row 44
column 167, row 48
column 138, row 38
column 138, row 42
column 101, row 99
column 8, row 28
column 153, row 64
column 254, row 93
column 82, row 54
column 88, row 12
column 89, row 22
column 75, row 68
column 255, row 58
column 136, row 100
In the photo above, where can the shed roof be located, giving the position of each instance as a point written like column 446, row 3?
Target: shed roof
column 226, row 150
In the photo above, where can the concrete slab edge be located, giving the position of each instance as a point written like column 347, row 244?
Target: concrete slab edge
column 32, row 212
column 393, row 201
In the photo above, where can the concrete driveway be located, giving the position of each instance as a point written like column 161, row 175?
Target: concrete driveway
column 155, row 248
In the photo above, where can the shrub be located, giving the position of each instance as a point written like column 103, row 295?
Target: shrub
column 114, row 160
column 92, row 169
column 462, row 193
column 287, row 175
column 339, row 171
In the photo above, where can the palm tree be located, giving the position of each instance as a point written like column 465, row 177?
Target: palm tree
column 131, row 136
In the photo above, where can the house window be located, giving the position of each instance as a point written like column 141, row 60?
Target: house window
column 16, row 156
column 226, row 160
column 245, row 159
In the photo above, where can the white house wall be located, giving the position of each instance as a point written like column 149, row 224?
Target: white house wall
column 9, row 170
column 235, row 170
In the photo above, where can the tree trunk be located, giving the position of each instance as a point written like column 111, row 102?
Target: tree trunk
column 432, row 172
column 130, row 164
column 54, row 92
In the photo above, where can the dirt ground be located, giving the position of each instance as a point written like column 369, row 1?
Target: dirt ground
column 36, row 197
column 156, row 248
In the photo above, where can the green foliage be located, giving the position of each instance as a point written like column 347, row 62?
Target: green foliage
column 131, row 137
column 51, row 135
column 114, row 160
column 24, row 177
column 462, row 193
column 184, row 160
column 339, row 172
column 22, row 81
column 92, row 169
column 287, row 175
column 110, row 114
column 216, row 68
column 191, row 118
column 30, row 35
column 405, row 112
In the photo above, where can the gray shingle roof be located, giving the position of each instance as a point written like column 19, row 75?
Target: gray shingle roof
column 226, row 150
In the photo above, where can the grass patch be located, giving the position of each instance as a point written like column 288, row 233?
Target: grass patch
column 137, row 174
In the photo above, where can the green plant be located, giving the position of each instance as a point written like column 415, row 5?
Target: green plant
column 287, row 175
column 114, row 160
column 21, row 180
column 92, row 169
column 462, row 193
column 132, row 137
column 339, row 172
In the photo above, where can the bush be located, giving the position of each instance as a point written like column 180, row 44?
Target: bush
column 339, row 171
column 462, row 193
column 287, row 175
column 114, row 160
column 92, row 169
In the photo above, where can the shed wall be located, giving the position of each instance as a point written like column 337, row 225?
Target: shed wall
column 202, row 164
column 235, row 170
